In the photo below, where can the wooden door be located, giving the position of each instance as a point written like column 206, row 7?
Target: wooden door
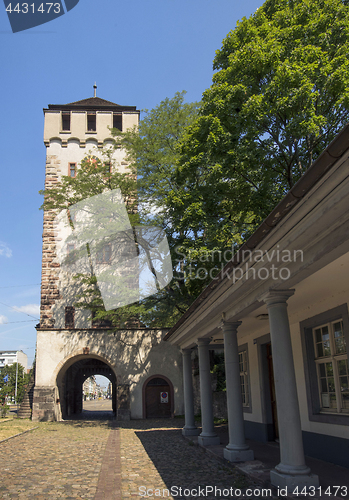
column 158, row 399
column 272, row 391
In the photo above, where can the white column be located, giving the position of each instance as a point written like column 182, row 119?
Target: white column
column 208, row 435
column 189, row 428
column 291, row 471
column 237, row 450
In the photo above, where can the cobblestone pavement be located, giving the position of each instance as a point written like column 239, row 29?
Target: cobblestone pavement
column 108, row 460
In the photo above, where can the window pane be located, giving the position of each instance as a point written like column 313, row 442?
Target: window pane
column 324, row 385
column 343, row 381
column 329, row 369
column 322, row 370
column 91, row 123
column 325, row 400
column 338, row 329
column 331, row 387
column 345, row 401
column 327, row 349
column 318, row 336
column 325, row 334
column 340, row 346
column 320, row 351
column 342, row 367
column 333, row 401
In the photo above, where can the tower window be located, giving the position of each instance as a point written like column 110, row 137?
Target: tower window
column 104, row 254
column 69, row 316
column 66, row 120
column 72, row 170
column 117, row 121
column 91, row 122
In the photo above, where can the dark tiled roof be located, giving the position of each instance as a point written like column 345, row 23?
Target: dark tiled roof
column 92, row 103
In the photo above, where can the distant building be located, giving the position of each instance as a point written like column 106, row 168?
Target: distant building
column 7, row 358
column 89, row 387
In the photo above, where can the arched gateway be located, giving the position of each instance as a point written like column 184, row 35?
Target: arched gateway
column 71, row 345
column 71, row 378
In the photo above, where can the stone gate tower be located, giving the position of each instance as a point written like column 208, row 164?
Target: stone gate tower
column 70, row 345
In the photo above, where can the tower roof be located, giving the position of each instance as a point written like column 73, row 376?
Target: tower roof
column 93, row 104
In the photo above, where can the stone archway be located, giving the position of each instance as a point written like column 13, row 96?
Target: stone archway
column 70, row 381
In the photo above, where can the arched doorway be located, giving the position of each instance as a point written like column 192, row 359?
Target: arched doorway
column 71, row 385
column 158, row 397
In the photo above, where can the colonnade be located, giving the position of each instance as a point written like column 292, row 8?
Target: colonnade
column 291, row 471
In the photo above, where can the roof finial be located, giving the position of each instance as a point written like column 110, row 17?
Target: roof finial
column 95, row 90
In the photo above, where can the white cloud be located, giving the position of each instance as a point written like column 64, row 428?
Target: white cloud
column 3, row 319
column 5, row 250
column 32, row 309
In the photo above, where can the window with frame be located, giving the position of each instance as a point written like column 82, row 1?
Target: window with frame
column 91, row 122
column 325, row 338
column 332, row 367
column 117, row 121
column 72, row 170
column 243, row 365
column 65, row 121
column 104, row 254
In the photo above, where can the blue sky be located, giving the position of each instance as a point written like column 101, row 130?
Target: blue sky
column 138, row 52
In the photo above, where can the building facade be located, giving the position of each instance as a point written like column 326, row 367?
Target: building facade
column 8, row 358
column 279, row 309
column 71, row 346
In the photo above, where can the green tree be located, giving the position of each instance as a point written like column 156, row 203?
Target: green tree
column 8, row 388
column 279, row 96
column 153, row 150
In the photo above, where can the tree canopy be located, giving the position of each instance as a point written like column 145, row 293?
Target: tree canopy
column 279, row 96
column 8, row 386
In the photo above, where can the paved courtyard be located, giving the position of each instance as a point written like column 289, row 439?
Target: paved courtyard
column 108, row 460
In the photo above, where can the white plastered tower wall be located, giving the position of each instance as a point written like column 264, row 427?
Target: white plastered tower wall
column 131, row 356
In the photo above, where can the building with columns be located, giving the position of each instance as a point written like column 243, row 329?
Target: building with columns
column 280, row 310
column 71, row 345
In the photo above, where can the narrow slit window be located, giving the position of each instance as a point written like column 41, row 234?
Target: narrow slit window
column 66, row 121
column 72, row 170
column 117, row 121
column 69, row 316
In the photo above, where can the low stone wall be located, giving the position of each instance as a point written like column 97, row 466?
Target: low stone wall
column 220, row 404
column 219, row 398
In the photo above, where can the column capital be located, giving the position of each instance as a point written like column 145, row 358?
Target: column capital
column 186, row 351
column 203, row 341
column 229, row 326
column 277, row 296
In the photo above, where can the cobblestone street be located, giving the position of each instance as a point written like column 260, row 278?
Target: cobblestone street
column 108, row 460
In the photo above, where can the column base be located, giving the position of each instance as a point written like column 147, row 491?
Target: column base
column 208, row 440
column 238, row 455
column 291, row 482
column 190, row 431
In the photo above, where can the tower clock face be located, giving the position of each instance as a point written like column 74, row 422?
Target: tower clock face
column 92, row 160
